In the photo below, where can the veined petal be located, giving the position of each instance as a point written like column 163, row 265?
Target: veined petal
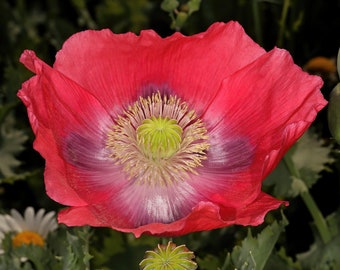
column 94, row 174
column 70, row 109
column 192, row 67
column 66, row 100
column 55, row 175
column 205, row 216
column 257, row 102
column 143, row 204
column 79, row 216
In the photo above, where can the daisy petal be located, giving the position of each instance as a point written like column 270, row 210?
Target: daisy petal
column 19, row 219
column 48, row 223
column 29, row 216
column 38, row 217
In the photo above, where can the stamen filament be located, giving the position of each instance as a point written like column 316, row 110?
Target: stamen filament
column 158, row 140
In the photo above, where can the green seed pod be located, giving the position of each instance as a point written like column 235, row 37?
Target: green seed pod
column 169, row 257
column 334, row 113
column 334, row 109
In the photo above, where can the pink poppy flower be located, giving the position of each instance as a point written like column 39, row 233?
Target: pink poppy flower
column 166, row 136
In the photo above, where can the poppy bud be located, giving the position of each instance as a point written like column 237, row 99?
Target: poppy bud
column 334, row 108
column 334, row 113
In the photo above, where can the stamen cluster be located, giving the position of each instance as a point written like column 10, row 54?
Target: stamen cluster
column 158, row 140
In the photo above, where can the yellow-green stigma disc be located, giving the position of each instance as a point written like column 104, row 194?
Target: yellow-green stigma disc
column 159, row 137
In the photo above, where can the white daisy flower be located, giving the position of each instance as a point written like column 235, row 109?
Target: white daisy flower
column 31, row 228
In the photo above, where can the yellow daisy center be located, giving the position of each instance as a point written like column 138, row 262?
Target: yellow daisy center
column 158, row 140
column 26, row 238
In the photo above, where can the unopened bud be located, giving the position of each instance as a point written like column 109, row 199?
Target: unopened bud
column 334, row 113
column 334, row 108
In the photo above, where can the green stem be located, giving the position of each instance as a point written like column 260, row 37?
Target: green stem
column 257, row 22
column 319, row 220
column 165, row 240
column 282, row 23
column 226, row 263
column 291, row 167
column 313, row 209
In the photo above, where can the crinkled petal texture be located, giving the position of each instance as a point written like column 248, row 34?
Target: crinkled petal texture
column 254, row 105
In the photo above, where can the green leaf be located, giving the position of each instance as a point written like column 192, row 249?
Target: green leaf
column 208, row 262
column 76, row 255
column 280, row 179
column 333, row 221
column 108, row 246
column 65, row 248
column 310, row 157
column 180, row 20
column 321, row 256
column 254, row 252
column 281, row 261
column 193, row 5
column 34, row 255
column 11, row 144
column 169, row 5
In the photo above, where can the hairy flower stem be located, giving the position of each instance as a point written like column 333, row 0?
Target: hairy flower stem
column 310, row 203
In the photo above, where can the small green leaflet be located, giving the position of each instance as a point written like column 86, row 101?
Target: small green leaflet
column 254, row 252
column 11, row 144
column 308, row 157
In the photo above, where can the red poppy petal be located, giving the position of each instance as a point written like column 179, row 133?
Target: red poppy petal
column 91, row 171
column 205, row 216
column 226, row 173
column 254, row 104
column 58, row 108
column 65, row 102
column 193, row 67
column 143, row 204
column 55, row 173
column 78, row 216
column 271, row 102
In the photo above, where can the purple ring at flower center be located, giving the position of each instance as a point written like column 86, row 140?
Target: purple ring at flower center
column 154, row 197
